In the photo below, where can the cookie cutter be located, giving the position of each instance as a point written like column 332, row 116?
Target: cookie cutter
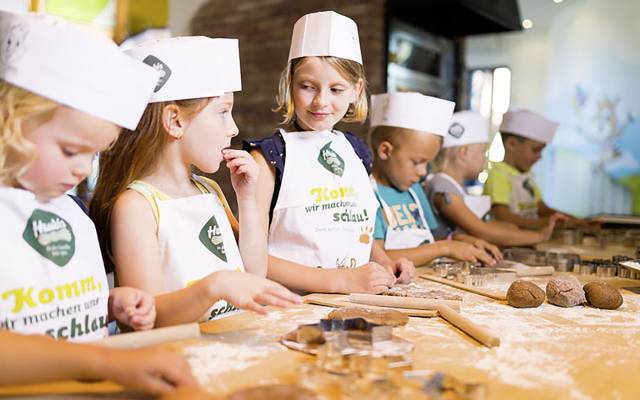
column 563, row 262
column 343, row 329
column 522, row 255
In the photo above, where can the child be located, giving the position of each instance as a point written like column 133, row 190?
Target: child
column 406, row 132
column 515, row 197
column 64, row 92
column 463, row 157
column 319, row 205
column 169, row 231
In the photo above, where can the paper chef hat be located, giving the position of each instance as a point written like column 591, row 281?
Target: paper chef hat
column 411, row 111
column 467, row 127
column 73, row 66
column 191, row 67
column 325, row 33
column 528, row 124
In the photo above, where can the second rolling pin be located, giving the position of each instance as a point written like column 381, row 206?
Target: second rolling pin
column 152, row 337
column 402, row 302
column 469, row 327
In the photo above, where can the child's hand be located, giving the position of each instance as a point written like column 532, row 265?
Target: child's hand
column 250, row 292
column 403, row 269
column 492, row 249
column 132, row 307
column 152, row 370
column 369, row 278
column 466, row 252
column 244, row 173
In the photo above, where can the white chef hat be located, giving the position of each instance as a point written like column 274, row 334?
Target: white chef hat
column 325, row 33
column 191, row 67
column 411, row 110
column 467, row 127
column 528, row 124
column 73, row 66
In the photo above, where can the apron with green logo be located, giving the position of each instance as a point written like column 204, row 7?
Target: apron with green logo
column 326, row 209
column 523, row 197
column 52, row 278
column 195, row 239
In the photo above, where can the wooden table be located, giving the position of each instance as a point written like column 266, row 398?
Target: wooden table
column 546, row 353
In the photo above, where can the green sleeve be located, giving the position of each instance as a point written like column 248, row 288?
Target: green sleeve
column 498, row 187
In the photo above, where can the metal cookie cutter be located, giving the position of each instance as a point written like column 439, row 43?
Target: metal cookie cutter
column 347, row 329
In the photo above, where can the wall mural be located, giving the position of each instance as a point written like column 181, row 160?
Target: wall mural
column 612, row 135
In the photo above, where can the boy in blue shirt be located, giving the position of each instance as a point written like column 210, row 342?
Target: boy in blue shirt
column 406, row 134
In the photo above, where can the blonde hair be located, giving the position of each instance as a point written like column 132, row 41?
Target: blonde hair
column 131, row 157
column 350, row 70
column 442, row 159
column 19, row 111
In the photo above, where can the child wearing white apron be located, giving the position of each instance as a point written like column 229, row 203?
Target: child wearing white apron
column 179, row 222
column 52, row 280
column 166, row 230
column 314, row 192
column 406, row 131
column 515, row 197
column 463, row 157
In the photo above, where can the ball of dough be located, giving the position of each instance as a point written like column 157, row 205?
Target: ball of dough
column 565, row 291
column 523, row 294
column 380, row 317
column 273, row 392
column 602, row 295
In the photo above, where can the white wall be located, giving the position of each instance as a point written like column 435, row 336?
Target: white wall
column 590, row 44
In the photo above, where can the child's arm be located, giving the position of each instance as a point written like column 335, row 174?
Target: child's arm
column 565, row 220
column 502, row 213
column 253, row 235
column 482, row 244
column 456, row 211
column 136, row 256
column 370, row 278
column 426, row 253
column 30, row 359
column 243, row 290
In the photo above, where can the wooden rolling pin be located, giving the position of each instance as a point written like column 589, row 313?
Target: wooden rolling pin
column 152, row 337
column 402, row 302
column 483, row 292
column 467, row 326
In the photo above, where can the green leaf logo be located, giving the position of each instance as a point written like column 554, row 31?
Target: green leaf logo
column 211, row 237
column 51, row 236
column 331, row 160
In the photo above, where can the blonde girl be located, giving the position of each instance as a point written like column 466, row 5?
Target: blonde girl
column 52, row 281
column 319, row 204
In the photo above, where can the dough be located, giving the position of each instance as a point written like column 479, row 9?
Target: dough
column 565, row 291
column 380, row 317
column 273, row 392
column 602, row 295
column 523, row 294
column 413, row 290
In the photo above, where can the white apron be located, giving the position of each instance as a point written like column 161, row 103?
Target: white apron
column 396, row 239
column 479, row 205
column 195, row 238
column 325, row 211
column 523, row 198
column 52, row 278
